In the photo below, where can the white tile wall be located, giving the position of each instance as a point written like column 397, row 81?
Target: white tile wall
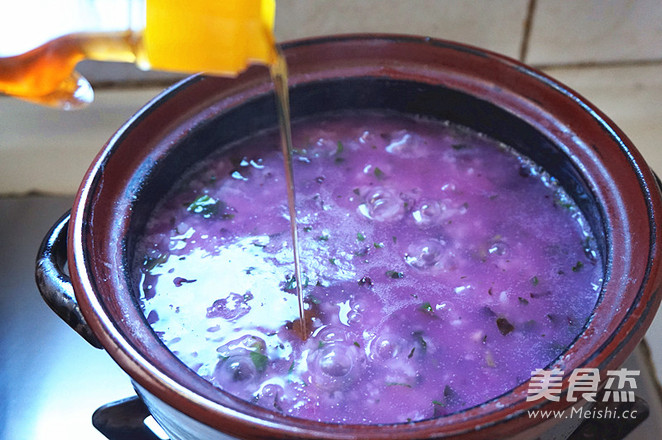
column 496, row 24
column 630, row 95
column 47, row 150
column 584, row 31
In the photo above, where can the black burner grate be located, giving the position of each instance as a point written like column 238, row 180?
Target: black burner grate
column 125, row 420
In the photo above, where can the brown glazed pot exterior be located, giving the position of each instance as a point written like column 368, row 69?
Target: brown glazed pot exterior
column 498, row 96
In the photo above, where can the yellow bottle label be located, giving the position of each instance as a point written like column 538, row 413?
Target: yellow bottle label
column 216, row 36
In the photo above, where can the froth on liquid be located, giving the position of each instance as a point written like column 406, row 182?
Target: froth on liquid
column 439, row 269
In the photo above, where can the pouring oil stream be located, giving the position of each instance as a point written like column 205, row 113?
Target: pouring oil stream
column 46, row 74
column 278, row 71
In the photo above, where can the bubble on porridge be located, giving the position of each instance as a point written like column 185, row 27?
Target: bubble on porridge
column 429, row 253
column 241, row 363
column 431, row 212
column 416, row 245
column 239, row 369
column 335, row 361
column 331, row 333
column 325, row 144
column 364, row 309
column 497, row 246
column 385, row 346
column 231, row 307
column 382, row 204
column 335, row 365
column 271, row 396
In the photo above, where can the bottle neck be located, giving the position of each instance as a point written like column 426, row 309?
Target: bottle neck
column 217, row 37
column 33, row 23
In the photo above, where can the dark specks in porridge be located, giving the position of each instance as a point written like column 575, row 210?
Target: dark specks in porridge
column 440, row 268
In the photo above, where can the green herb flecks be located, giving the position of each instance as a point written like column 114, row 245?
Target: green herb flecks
column 535, row 281
column 150, row 263
column 204, row 205
column 379, row 173
column 360, row 236
column 290, row 282
column 562, row 200
column 577, row 267
column 394, row 274
column 339, row 150
column 427, row 307
column 259, row 360
column 378, row 245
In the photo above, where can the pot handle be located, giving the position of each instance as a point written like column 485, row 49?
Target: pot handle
column 54, row 283
column 657, row 180
column 123, row 420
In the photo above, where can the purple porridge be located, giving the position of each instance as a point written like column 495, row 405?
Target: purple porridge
column 440, row 269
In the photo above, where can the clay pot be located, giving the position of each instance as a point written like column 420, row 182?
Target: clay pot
column 502, row 98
